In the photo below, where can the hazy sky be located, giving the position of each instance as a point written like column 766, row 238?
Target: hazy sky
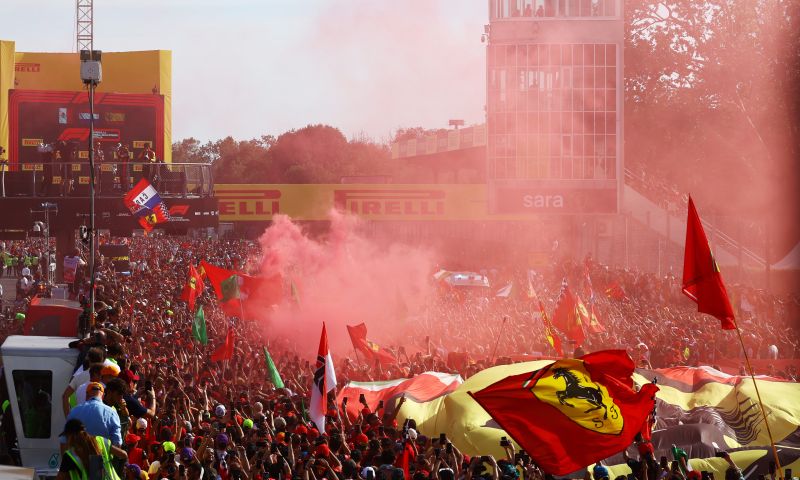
column 252, row 67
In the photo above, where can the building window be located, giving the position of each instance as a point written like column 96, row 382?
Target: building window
column 552, row 110
column 34, row 398
column 520, row 9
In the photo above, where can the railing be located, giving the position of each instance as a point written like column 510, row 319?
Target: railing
column 716, row 235
column 112, row 179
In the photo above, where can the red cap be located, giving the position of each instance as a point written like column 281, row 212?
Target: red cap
column 301, row 429
column 361, row 439
column 129, row 376
column 323, row 450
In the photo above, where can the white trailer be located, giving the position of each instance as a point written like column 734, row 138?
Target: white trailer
column 37, row 370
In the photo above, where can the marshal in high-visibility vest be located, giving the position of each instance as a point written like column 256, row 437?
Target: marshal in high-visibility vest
column 81, row 447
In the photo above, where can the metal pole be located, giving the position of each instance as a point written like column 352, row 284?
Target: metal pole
column 767, row 266
column 91, row 205
column 626, row 241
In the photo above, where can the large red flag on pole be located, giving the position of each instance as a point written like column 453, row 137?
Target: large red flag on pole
column 702, row 281
column 324, row 382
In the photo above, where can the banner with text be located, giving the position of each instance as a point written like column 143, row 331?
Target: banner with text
column 259, row 202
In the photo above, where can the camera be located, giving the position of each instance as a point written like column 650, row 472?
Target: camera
column 504, row 442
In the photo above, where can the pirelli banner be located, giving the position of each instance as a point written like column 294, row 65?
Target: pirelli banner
column 259, row 202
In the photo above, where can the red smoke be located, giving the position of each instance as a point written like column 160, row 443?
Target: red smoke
column 341, row 279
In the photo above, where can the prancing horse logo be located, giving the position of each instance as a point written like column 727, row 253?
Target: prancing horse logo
column 567, row 386
column 573, row 389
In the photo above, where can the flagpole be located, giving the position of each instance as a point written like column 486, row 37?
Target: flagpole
column 497, row 343
column 760, row 404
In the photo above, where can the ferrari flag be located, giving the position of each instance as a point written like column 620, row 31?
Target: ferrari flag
column 193, row 288
column 145, row 203
column 555, row 412
column 371, row 350
column 702, row 281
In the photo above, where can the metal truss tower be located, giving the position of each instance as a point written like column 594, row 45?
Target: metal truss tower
column 85, row 25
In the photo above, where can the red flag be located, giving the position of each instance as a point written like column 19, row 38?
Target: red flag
column 552, row 338
column 423, row 387
column 702, row 281
column 193, row 288
column 616, row 292
column 566, row 316
column 371, row 350
column 555, row 412
column 564, row 313
column 225, row 351
column 324, row 382
column 243, row 295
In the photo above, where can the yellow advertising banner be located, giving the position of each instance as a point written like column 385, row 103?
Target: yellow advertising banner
column 6, row 82
column 144, row 72
column 259, row 202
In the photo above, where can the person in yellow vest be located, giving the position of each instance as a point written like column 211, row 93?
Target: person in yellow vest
column 75, row 464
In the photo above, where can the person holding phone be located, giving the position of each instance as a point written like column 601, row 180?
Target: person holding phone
column 733, row 472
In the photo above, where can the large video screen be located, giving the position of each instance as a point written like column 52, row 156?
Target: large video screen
column 62, row 118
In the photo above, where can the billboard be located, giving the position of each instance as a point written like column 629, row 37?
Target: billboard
column 145, row 73
column 555, row 197
column 37, row 117
column 118, row 255
column 412, row 202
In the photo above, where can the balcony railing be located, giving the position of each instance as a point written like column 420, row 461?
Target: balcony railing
column 112, row 179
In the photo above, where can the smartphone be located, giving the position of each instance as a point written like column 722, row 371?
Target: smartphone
column 362, row 398
column 344, row 401
column 449, row 448
column 485, row 458
column 148, row 385
column 437, row 452
column 504, row 442
column 787, row 473
column 380, row 404
column 442, row 438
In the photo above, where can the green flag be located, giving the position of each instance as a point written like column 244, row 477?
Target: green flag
column 274, row 376
column 230, row 288
column 199, row 326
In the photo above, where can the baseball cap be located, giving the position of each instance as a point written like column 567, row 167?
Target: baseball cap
column 110, row 369
column 141, row 423
column 599, row 472
column 220, row 411
column 222, row 438
column 187, row 454
column 93, row 387
column 132, row 438
column 323, row 450
column 137, row 471
column 168, row 446
column 129, row 376
column 247, row 423
column 368, row 473
column 72, row 426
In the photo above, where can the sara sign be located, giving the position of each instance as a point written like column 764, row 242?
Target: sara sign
column 555, row 198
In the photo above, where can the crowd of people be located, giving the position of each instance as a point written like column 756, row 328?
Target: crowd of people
column 148, row 401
